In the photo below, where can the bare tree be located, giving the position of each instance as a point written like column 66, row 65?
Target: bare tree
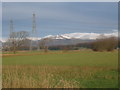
column 43, row 44
column 17, row 39
column 21, row 38
column 108, row 44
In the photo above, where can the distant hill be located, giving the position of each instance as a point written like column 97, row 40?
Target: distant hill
column 70, row 38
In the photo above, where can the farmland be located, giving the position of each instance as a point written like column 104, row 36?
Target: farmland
column 57, row 69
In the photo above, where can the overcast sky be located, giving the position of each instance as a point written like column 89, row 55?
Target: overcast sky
column 60, row 18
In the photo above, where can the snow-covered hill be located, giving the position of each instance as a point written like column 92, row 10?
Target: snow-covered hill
column 83, row 36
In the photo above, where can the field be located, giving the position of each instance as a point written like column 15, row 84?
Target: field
column 57, row 69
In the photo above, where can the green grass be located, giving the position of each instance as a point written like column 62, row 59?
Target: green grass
column 73, row 69
column 69, row 58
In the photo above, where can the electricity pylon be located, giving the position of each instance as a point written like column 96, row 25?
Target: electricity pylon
column 34, row 33
column 10, row 34
column 11, row 28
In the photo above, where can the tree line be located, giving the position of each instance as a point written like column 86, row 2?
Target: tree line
column 19, row 41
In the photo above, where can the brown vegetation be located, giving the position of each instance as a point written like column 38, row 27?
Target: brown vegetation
column 105, row 44
column 48, row 76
